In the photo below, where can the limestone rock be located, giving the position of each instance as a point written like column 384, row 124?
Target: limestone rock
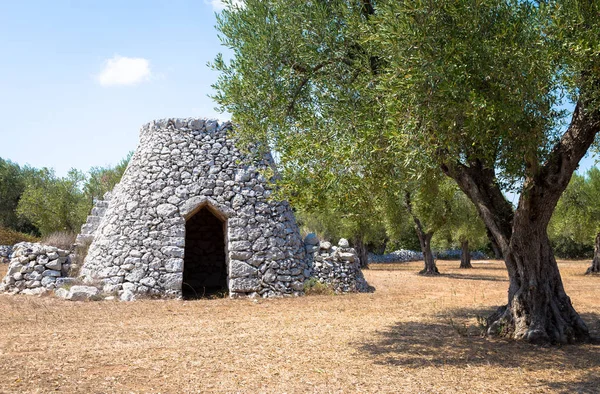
column 348, row 256
column 61, row 292
column 54, row 264
column 311, row 239
column 82, row 293
column 127, row 295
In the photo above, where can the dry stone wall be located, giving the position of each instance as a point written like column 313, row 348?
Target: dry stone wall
column 181, row 167
column 35, row 268
column 88, row 229
column 336, row 266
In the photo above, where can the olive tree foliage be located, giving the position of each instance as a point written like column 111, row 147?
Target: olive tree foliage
column 469, row 87
column 54, row 203
column 463, row 229
column 103, row 179
column 12, row 186
column 337, row 210
column 571, row 229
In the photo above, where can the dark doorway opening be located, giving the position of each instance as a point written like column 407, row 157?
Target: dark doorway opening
column 205, row 269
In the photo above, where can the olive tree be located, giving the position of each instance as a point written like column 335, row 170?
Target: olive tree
column 427, row 203
column 54, row 203
column 12, row 186
column 463, row 228
column 100, row 180
column 471, row 88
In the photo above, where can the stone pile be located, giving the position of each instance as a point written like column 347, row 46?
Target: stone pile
column 35, row 268
column 338, row 267
column 5, row 252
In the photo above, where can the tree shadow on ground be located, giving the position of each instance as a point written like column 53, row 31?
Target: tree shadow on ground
column 473, row 277
column 487, row 267
column 457, row 339
column 589, row 382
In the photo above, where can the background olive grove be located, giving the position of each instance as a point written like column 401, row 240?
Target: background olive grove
column 37, row 202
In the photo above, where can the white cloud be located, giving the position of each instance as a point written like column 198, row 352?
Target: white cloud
column 218, row 5
column 120, row 70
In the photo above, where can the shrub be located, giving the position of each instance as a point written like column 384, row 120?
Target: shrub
column 313, row 287
column 60, row 239
column 11, row 237
column 567, row 248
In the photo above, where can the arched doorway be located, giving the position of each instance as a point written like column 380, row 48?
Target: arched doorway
column 205, row 267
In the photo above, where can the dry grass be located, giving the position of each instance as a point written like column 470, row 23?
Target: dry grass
column 60, row 239
column 413, row 335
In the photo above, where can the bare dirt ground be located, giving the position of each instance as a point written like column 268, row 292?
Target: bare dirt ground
column 414, row 334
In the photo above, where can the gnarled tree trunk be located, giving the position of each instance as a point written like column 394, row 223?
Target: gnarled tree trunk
column 361, row 250
column 465, row 255
column 494, row 245
column 595, row 267
column 425, row 241
column 538, row 308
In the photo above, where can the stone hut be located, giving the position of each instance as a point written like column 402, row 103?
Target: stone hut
column 192, row 217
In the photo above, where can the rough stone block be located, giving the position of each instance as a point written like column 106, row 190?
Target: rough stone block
column 239, row 269
column 82, row 293
column 244, row 285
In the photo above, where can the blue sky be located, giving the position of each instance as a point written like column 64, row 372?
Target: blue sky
column 79, row 78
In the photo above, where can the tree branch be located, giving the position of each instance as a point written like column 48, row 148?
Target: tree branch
column 554, row 175
column 479, row 184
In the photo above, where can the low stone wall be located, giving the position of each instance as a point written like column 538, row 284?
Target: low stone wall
column 337, row 266
column 35, row 268
column 405, row 256
column 5, row 252
column 398, row 256
column 455, row 254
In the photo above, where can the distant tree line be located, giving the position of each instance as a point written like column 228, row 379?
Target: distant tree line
column 38, row 202
column 450, row 219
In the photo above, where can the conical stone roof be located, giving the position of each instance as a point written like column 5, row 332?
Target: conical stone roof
column 180, row 168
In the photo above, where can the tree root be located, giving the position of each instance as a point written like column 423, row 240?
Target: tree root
column 592, row 271
column 562, row 325
column 426, row 272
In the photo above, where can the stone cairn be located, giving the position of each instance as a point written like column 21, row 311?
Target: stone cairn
column 337, row 267
column 35, row 269
column 5, row 252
